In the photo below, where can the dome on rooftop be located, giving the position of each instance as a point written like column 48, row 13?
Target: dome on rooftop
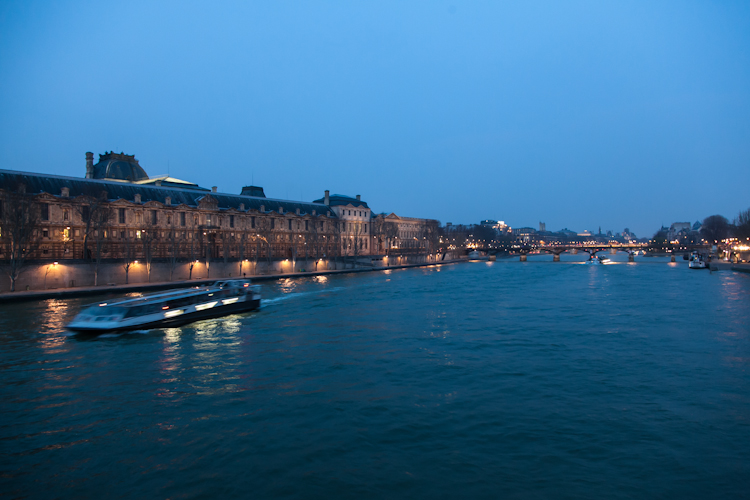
column 119, row 167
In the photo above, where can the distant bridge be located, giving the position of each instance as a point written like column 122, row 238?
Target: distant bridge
column 592, row 249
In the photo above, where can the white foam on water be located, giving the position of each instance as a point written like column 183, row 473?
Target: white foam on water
column 268, row 302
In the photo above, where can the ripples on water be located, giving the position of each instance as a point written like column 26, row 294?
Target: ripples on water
column 501, row 379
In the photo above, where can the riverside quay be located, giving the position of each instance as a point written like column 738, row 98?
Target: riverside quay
column 119, row 225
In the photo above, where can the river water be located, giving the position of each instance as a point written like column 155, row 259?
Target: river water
column 493, row 380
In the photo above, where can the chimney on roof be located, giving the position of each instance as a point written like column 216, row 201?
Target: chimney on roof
column 65, row 192
column 89, row 165
column 298, row 211
column 327, row 199
column 137, row 197
column 213, row 189
column 158, row 183
column 168, row 201
column 359, row 198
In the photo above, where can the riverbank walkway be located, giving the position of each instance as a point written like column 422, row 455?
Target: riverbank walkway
column 729, row 266
column 64, row 293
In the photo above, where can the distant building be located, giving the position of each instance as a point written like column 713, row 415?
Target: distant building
column 499, row 226
column 118, row 211
column 676, row 228
column 542, row 227
column 525, row 234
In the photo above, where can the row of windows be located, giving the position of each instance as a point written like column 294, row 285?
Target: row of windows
column 182, row 218
column 357, row 213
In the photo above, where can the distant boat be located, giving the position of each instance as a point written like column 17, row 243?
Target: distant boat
column 697, row 261
column 596, row 260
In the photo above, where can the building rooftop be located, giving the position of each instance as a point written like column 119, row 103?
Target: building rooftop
column 340, row 199
column 120, row 167
column 37, row 183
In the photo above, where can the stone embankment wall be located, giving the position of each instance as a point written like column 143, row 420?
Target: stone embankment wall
column 67, row 274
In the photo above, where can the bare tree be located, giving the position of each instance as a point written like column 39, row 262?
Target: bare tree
column 742, row 222
column 432, row 237
column 192, row 253
column 128, row 255
column 99, row 222
column 355, row 240
column 19, row 220
column 390, row 233
column 264, row 234
column 90, row 212
column 241, row 248
column 225, row 248
column 313, row 241
column 715, row 228
column 337, row 244
column 149, row 241
column 174, row 246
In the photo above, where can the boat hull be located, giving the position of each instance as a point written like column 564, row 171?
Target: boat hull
column 183, row 319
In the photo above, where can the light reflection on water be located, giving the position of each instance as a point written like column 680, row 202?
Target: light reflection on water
column 534, row 379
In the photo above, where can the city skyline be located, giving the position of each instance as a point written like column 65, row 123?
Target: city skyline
column 580, row 116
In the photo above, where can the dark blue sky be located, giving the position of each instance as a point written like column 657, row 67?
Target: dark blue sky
column 578, row 114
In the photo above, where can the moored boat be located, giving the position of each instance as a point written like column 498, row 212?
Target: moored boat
column 169, row 308
column 697, row 261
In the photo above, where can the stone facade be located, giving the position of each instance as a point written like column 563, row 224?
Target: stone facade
column 116, row 221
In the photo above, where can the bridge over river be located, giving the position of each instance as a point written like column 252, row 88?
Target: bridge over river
column 593, row 248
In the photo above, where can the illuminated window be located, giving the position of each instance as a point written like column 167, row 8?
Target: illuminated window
column 138, row 234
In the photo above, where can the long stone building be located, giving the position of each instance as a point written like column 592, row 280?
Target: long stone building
column 117, row 214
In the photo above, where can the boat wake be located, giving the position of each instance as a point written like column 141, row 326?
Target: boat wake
column 276, row 300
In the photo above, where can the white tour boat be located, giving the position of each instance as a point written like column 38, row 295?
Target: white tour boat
column 696, row 261
column 169, row 308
